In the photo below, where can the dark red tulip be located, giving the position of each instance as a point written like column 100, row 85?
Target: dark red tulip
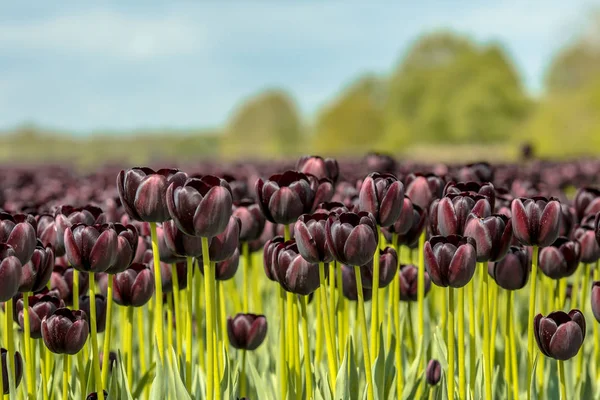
column 133, row 287
column 423, row 189
column 225, row 244
column 127, row 242
column 352, row 237
column 492, row 234
column 418, row 221
column 408, row 275
column 37, row 272
column 311, row 237
column 53, row 231
column 293, row 272
column 586, row 202
column 388, row 266
column 450, row 260
column 383, row 196
column 84, row 304
column 10, row 272
column 479, row 172
column 560, row 335
column 94, row 395
column 225, row 270
column 449, row 215
column 270, row 255
column 331, row 207
column 512, row 272
column 323, row 189
column 319, row 167
column 179, row 244
column 61, row 281
column 586, row 236
column 595, row 299
column 349, row 288
column 91, row 248
column 406, row 219
column 143, row 190
column 536, row 221
column 200, row 207
column 65, row 331
column 18, row 231
column 285, row 197
column 379, row 162
column 485, row 189
column 251, row 218
column 165, row 253
column 18, row 373
column 433, row 373
column 561, row 259
column 40, row 306
column 246, row 331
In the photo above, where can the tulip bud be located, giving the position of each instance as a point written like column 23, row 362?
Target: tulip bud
column 383, row 196
column 451, row 212
column 424, row 189
column 561, row 259
column 246, row 331
column 18, row 373
column 134, row 286
column 18, row 231
column 349, row 288
column 294, row 273
column 143, row 192
column 433, row 373
column 91, row 248
column 251, row 218
column 285, row 197
column 225, row 243
column 84, row 303
column 319, row 167
column 450, row 261
column 127, row 242
column 536, row 221
column 40, row 306
column 560, row 335
column 512, row 272
column 388, row 266
column 485, row 189
column 65, row 331
column 311, row 238
column 408, row 276
column 10, row 272
column 586, row 202
column 586, row 236
column 492, row 234
column 352, row 238
column 331, row 207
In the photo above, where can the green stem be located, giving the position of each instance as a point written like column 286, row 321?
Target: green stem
column 486, row 334
column 199, row 309
column 395, row 298
column 243, row 375
column 597, row 326
column 410, row 330
column 507, row 372
column 43, row 373
column 362, row 321
column 66, row 373
column 282, row 365
column 513, row 347
column 472, row 336
column 307, row 365
column 319, row 333
column 219, row 331
column 291, row 342
column 421, row 303
column 331, row 355
column 189, row 293
column 80, row 355
column 245, row 270
column 176, row 312
column 107, row 331
column 29, row 360
column 462, row 378
column 142, row 349
column 375, row 303
column 494, row 299
column 169, row 325
column 209, row 276
column 94, row 333
column 532, row 295
column 331, row 287
column 584, row 290
column 450, row 343
column 158, row 312
column 561, row 379
column 10, row 346
column 129, row 343
column 342, row 321
column 296, row 328
column 393, row 288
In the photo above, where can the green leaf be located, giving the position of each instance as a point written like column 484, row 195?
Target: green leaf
column 390, row 368
column 158, row 390
column 378, row 369
column 144, row 380
column 532, row 378
column 177, row 388
column 441, row 347
column 342, row 387
column 353, row 370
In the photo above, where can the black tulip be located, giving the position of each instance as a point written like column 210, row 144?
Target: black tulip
column 493, row 235
column 84, row 304
column 65, row 331
column 450, row 261
column 134, row 286
column 311, row 237
column 352, row 238
column 433, row 373
column 561, row 259
column 285, row 197
column 18, row 231
column 388, row 266
column 349, row 288
column 512, row 272
column 383, row 196
column 91, row 248
column 40, row 307
column 536, row 221
column 293, row 272
column 127, row 242
column 560, row 335
column 408, row 275
column 246, row 331
column 38, row 270
column 10, row 272
column 319, row 167
column 251, row 218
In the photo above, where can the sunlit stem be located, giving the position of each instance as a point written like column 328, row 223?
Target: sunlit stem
column 494, row 307
column 486, row 334
column 169, row 325
column 282, row 366
column 107, row 331
column 342, row 321
column 177, row 312
column 513, row 347
column 395, row 298
column 374, row 338
column 142, row 338
column 158, row 312
column 584, row 291
column 532, row 295
column 319, row 328
column 307, row 364
column 66, row 373
column 10, row 346
column 331, row 287
column 29, row 360
column 129, row 344
column 296, row 327
column 472, row 336
column 561, row 379
column 243, row 375
column 450, row 344
column 462, row 378
column 219, row 325
column 331, row 355
column 189, row 293
column 43, row 373
column 209, row 277
column 94, row 334
column 507, row 363
column 365, row 339
column 597, row 326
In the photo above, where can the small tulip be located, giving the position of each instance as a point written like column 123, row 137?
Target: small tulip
column 91, row 248
column 285, row 197
column 406, row 219
column 560, row 335
column 586, row 236
column 418, row 220
column 595, row 299
column 512, row 272
column 408, row 276
column 238, row 186
column 127, row 242
column 134, row 286
column 311, row 237
column 246, row 331
column 84, row 303
column 536, row 221
column 319, row 167
column 143, row 192
column 352, row 237
column 10, row 272
column 479, row 172
column 586, row 202
column 251, row 218
column 37, row 272
column 349, row 288
column 492, row 234
column 383, row 196
column 323, row 189
column 450, row 261
column 294, row 273
column 65, row 331
column 200, row 207
column 561, row 259
column 567, row 220
column 388, row 266
column 433, row 373
column 61, row 281
column 18, row 373
column 225, row 270
column 485, row 189
column 424, row 189
column 40, row 306
column 449, row 215
column 18, row 231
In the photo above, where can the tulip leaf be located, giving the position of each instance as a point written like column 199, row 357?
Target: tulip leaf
column 258, row 382
column 176, row 387
column 158, row 390
column 441, row 347
column 352, row 370
column 378, row 369
column 532, row 377
column 114, row 391
column 342, row 386
column 123, row 379
column 143, row 381
column 390, row 369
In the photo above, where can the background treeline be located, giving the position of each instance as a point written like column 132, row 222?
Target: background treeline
column 448, row 98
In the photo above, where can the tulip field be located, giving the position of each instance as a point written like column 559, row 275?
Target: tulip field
column 363, row 279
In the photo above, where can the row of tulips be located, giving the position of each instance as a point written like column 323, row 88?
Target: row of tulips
column 150, row 276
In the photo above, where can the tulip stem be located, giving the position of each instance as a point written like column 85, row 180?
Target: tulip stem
column 532, row 295
column 43, row 373
column 331, row 356
column 472, row 336
column 513, row 346
column 243, row 375
column 462, row 378
column 493, row 301
column 209, row 277
column 375, row 303
column 307, row 365
column 65, row 385
column 421, row 301
column 94, row 333
column 362, row 321
column 331, row 287
column 395, row 299
column 409, row 332
column 177, row 312
column 142, row 348
column 584, row 290
column 10, row 346
column 319, row 333
column 80, row 364
column 507, row 365
column 29, row 360
column 296, row 327
column 486, row 333
column 282, row 367
column 128, row 344
column 245, row 271
column 597, row 326
column 188, row 325
column 107, row 330
column 450, row 344
column 169, row 325
column 561, row 379
column 158, row 312
column 290, row 337
column 342, row 320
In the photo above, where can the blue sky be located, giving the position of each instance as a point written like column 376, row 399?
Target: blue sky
column 132, row 65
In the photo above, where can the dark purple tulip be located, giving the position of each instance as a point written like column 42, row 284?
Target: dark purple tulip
column 246, row 331
column 586, row 202
column 595, row 299
column 485, row 189
column 112, row 361
column 560, row 335
column 251, row 218
column 84, row 304
column 536, row 221
column 225, row 244
column 18, row 370
column 37, row 272
column 179, row 244
column 423, row 189
column 311, row 238
column 294, row 273
column 449, row 215
column 91, row 248
column 406, row 219
column 65, row 331
column 200, row 207
column 388, row 266
column 285, row 197
column 383, row 196
column 512, row 272
column 586, row 236
column 349, row 289
column 61, row 281
column 225, row 270
column 380, row 162
column 127, row 242
column 433, row 373
column 239, row 187
column 267, row 234
column 479, row 172
column 134, row 286
column 418, row 221
column 567, row 220
column 18, row 231
column 40, row 306
column 319, row 167
column 451, row 260
column 270, row 255
column 323, row 189
column 10, row 272
column 94, row 395
column 331, row 207
column 352, row 237
column 561, row 259
column 492, row 234
column 142, row 192
column 408, row 276
column 165, row 253
column 66, row 216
